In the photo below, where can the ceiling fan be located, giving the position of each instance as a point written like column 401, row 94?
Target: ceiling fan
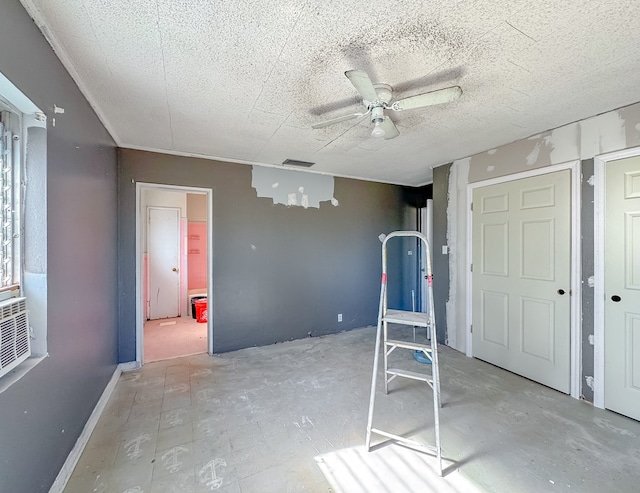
column 377, row 98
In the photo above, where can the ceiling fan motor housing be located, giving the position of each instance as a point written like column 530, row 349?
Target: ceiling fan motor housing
column 384, row 92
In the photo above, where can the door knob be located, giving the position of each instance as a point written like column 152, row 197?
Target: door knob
column 174, row 269
column 560, row 292
column 615, row 298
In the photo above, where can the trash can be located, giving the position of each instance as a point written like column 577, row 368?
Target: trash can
column 193, row 304
column 201, row 310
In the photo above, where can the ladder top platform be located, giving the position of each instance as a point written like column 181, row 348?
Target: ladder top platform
column 404, row 317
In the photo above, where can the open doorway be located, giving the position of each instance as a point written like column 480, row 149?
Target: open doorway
column 173, row 272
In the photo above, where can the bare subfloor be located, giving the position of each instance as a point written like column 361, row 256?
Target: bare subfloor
column 291, row 417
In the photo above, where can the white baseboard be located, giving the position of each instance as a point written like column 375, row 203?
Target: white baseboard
column 73, row 457
column 130, row 366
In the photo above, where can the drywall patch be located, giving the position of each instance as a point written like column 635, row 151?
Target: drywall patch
column 293, row 188
column 533, row 152
column 564, row 143
column 533, row 155
column 456, row 305
column 589, row 380
column 602, row 133
column 631, row 117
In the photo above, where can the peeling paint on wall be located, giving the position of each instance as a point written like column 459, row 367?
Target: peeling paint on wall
column 293, row 188
column 591, row 339
column 591, row 282
column 592, row 180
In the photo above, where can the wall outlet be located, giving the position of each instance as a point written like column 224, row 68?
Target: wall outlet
column 445, row 249
column 339, row 317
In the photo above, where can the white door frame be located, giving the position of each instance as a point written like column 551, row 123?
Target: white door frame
column 576, row 268
column 140, row 217
column 599, row 168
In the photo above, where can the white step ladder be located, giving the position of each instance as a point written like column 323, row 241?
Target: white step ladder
column 430, row 351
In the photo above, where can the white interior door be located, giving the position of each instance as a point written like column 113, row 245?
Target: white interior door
column 521, row 277
column 163, row 249
column 622, row 287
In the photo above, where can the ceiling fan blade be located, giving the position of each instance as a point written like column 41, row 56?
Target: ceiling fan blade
column 390, row 129
column 428, row 99
column 361, row 81
column 338, row 120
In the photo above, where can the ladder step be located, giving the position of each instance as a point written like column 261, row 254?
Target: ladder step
column 410, row 374
column 408, row 441
column 404, row 317
column 409, row 345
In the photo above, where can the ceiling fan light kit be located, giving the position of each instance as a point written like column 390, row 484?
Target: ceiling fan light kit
column 376, row 98
column 377, row 117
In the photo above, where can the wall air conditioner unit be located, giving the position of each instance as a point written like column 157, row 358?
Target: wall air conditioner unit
column 15, row 343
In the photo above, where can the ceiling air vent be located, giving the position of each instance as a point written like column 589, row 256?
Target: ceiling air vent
column 295, row 162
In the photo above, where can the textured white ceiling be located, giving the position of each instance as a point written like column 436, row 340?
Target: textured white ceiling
column 245, row 80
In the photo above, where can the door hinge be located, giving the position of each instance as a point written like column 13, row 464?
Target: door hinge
column 471, row 267
column 471, row 206
column 471, row 328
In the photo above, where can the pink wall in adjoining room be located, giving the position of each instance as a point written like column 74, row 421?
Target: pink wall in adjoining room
column 197, row 254
column 184, row 264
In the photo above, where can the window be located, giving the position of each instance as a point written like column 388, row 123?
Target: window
column 23, row 234
column 9, row 197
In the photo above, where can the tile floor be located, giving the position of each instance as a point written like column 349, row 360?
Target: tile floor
column 291, row 417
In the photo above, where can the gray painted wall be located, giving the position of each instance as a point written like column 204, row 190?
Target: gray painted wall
column 440, row 261
column 307, row 266
column 587, row 246
column 44, row 413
